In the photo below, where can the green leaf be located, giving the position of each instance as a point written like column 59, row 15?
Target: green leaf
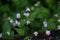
column 26, row 38
column 52, row 24
column 6, row 28
column 20, row 31
column 43, row 13
column 50, row 3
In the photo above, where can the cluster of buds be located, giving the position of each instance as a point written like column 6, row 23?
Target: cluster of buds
column 15, row 23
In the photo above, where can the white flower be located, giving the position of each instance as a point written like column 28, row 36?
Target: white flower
column 0, row 35
column 37, row 3
column 9, row 18
column 26, row 14
column 58, row 20
column 32, row 8
column 45, row 24
column 18, row 15
column 11, row 21
column 35, row 33
column 28, row 9
column 8, row 33
column 48, row 32
column 56, row 15
column 28, row 22
column 17, row 23
column 58, row 27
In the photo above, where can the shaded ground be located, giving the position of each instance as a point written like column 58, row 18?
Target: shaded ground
column 54, row 36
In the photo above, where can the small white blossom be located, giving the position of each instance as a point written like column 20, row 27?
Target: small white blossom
column 0, row 35
column 11, row 21
column 48, row 32
column 28, row 9
column 8, row 33
column 18, row 15
column 37, row 3
column 28, row 22
column 17, row 23
column 26, row 14
column 9, row 18
column 58, row 27
column 32, row 8
column 45, row 24
column 56, row 15
column 35, row 33
column 58, row 20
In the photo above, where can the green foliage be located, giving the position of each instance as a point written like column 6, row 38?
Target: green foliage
column 45, row 10
column 20, row 31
